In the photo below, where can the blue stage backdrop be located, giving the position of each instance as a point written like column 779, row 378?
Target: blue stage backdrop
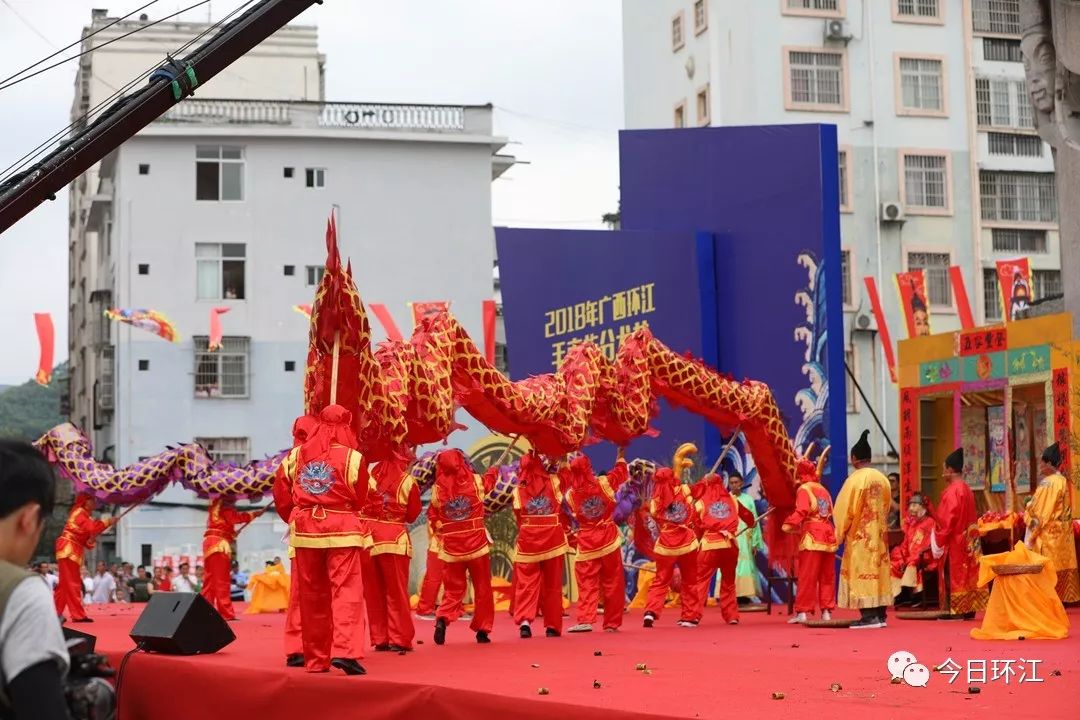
column 738, row 229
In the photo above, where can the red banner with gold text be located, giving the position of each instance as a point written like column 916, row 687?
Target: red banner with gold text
column 1014, row 282
column 913, row 301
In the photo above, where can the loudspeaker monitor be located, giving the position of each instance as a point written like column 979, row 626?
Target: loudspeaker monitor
column 181, row 624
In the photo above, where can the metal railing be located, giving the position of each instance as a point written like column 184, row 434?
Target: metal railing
column 302, row 114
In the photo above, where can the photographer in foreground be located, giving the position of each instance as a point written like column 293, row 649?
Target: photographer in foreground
column 33, row 654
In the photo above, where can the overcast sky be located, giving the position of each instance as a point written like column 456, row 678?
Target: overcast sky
column 552, row 68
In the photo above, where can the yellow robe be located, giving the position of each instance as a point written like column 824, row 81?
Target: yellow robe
column 269, row 591
column 861, row 512
column 1049, row 532
column 1021, row 606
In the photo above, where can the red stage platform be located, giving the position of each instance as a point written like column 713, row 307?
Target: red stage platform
column 711, row 671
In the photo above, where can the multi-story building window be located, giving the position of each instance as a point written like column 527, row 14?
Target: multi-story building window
column 235, row 450
column 922, row 83
column 1001, row 50
column 701, row 18
column 1002, row 103
column 1018, row 196
column 936, row 265
column 849, row 382
column 815, row 80
column 1015, row 240
column 845, row 277
column 219, row 271
column 1014, row 145
column 502, row 358
column 677, row 41
column 1000, row 17
column 315, row 177
column 680, row 114
column 222, row 373
column 844, row 174
column 991, row 298
column 314, row 274
column 219, row 172
column 918, row 10
column 703, row 107
column 1047, row 283
column 816, row 8
column 926, row 182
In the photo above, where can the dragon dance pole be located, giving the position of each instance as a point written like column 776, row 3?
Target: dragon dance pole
column 760, row 518
column 727, row 448
column 506, row 451
column 334, row 367
column 258, row 514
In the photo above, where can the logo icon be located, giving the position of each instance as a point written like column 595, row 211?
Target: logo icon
column 903, row 666
column 720, row 510
column 676, row 512
column 317, row 477
column 592, row 508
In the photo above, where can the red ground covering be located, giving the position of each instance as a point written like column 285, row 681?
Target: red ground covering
column 711, row 671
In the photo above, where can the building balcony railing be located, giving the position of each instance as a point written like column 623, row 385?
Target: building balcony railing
column 335, row 115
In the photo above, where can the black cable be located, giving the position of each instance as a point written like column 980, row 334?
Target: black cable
column 15, row 167
column 68, row 47
column 26, row 23
column 120, row 673
column 96, row 47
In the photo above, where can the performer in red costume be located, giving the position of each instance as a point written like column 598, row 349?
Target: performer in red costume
column 391, row 505
column 319, row 490
column 539, row 549
column 912, row 558
column 75, row 539
column 718, row 522
column 671, row 508
column 816, row 561
column 217, row 553
column 457, row 506
column 294, row 645
column 599, row 561
column 956, row 537
column 433, row 576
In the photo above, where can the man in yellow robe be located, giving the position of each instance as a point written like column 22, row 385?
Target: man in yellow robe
column 861, row 513
column 269, row 590
column 1049, row 524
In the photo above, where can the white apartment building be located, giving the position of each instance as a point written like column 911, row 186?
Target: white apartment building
column 939, row 162
column 223, row 202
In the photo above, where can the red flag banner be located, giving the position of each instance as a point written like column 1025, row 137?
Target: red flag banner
column 216, row 333
column 46, row 339
column 883, row 327
column 1014, row 281
column 382, row 314
column 912, row 288
column 421, row 310
column 490, row 313
column 963, row 305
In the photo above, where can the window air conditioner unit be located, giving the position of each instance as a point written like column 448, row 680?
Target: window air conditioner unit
column 864, row 322
column 892, row 212
column 837, row 30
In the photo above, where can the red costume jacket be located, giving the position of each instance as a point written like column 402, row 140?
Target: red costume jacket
column 914, row 551
column 591, row 500
column 718, row 513
column 320, row 497
column 393, row 502
column 537, row 501
column 457, row 505
column 813, row 518
column 221, row 527
column 957, row 533
column 671, row 507
column 78, row 534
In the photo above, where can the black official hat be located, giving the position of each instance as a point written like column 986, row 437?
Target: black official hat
column 861, row 449
column 955, row 461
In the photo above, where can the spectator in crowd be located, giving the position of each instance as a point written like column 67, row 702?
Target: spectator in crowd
column 51, row 580
column 33, row 655
column 184, row 580
column 239, row 582
column 162, row 581
column 88, row 585
column 200, row 576
column 140, row 587
column 104, row 586
column 123, row 590
column 894, row 505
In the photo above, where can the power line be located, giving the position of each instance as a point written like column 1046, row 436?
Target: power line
column 96, row 47
column 67, row 47
column 31, row 156
column 28, row 24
